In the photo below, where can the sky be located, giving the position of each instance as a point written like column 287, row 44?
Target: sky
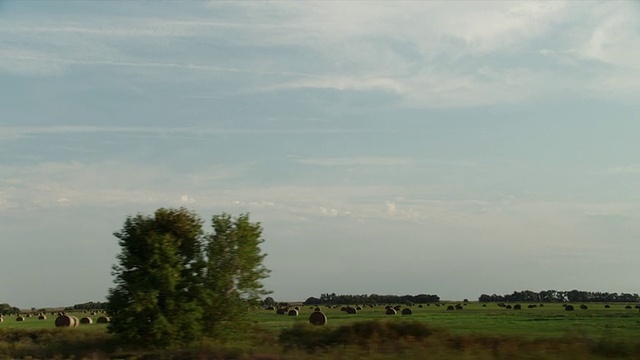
column 449, row 148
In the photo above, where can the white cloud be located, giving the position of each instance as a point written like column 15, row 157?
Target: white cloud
column 427, row 54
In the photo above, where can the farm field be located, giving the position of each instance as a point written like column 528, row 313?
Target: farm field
column 596, row 332
column 551, row 320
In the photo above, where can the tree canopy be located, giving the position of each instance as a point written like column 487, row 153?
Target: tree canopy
column 175, row 283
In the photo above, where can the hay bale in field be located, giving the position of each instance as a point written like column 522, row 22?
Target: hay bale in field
column 42, row 317
column 86, row 320
column 359, row 308
column 103, row 320
column 397, row 308
column 420, row 306
column 281, row 311
column 583, row 307
column 297, row 308
column 317, row 309
column 507, row 306
column 318, row 318
column 390, row 311
column 293, row 312
column 451, row 307
column 66, row 321
column 406, row 311
column 607, row 306
column 387, row 307
column 628, row 307
column 459, row 307
column 20, row 318
column 637, row 306
column 517, row 307
column 484, row 305
column 568, row 307
column 351, row 310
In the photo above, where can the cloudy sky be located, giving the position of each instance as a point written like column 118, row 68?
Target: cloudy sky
column 450, row 148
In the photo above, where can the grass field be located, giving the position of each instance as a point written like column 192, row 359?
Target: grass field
column 548, row 321
column 489, row 331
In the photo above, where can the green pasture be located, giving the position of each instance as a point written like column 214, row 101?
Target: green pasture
column 551, row 320
column 49, row 323
column 475, row 332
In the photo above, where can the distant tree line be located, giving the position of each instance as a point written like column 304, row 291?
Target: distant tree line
column 90, row 306
column 560, row 296
column 6, row 309
column 331, row 299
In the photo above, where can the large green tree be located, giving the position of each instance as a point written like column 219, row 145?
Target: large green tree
column 165, row 289
column 234, row 271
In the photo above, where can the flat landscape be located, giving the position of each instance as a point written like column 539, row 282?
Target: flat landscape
column 478, row 330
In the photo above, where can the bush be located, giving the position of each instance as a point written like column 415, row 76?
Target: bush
column 363, row 334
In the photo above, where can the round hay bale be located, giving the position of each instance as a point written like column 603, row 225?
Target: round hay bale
column 103, row 320
column 406, row 311
column 293, row 312
column 517, row 307
column 86, row 320
column 484, row 305
column 20, row 318
column 1, row 319
column 359, row 308
column 318, row 318
column 390, row 311
column 420, row 306
column 628, row 307
column 507, row 307
column 569, row 307
column 297, row 308
column 66, row 321
column 317, row 309
column 451, row 307
column 459, row 307
column 607, row 306
column 281, row 311
column 583, row 307
column 351, row 310
column 397, row 308
column 42, row 317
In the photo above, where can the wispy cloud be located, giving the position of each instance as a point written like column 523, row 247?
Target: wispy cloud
column 629, row 169
column 426, row 54
column 14, row 132
column 357, row 161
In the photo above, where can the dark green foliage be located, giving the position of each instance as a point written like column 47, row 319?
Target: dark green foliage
column 174, row 283
column 560, row 296
column 6, row 309
column 331, row 299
